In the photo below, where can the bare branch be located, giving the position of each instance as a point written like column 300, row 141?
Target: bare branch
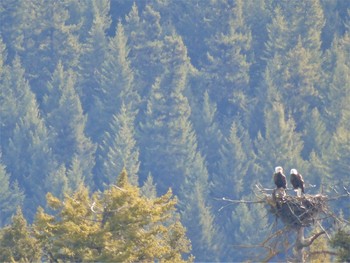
column 322, row 252
column 119, row 188
column 329, row 238
column 308, row 242
column 240, row 201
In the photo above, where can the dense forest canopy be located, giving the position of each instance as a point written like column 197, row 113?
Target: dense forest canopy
column 203, row 97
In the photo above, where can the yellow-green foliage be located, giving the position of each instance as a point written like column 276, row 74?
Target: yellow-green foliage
column 118, row 225
column 17, row 243
column 318, row 249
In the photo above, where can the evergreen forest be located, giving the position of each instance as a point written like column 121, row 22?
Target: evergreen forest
column 202, row 97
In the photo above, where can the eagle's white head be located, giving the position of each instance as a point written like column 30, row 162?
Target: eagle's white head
column 293, row 171
column 278, row 169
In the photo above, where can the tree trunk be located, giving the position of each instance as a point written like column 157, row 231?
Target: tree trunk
column 301, row 242
column 299, row 246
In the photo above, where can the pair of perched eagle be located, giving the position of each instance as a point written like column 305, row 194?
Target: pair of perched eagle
column 295, row 178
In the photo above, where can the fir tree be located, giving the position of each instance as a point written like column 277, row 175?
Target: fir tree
column 26, row 150
column 341, row 241
column 117, row 225
column 146, row 44
column 115, row 84
column 119, row 149
column 46, row 36
column 149, row 189
column 64, row 116
column 94, row 52
column 278, row 145
column 170, row 147
column 11, row 196
column 17, row 241
column 229, row 65
column 208, row 132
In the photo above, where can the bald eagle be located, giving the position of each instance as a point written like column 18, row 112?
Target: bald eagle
column 297, row 181
column 279, row 178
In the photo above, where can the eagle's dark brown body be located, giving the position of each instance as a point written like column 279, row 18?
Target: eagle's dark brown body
column 280, row 180
column 297, row 181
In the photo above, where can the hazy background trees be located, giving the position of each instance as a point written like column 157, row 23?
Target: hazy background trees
column 205, row 97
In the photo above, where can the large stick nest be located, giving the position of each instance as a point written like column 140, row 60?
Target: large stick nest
column 296, row 211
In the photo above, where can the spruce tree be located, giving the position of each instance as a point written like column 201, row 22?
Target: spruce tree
column 277, row 145
column 94, row 52
column 116, row 225
column 17, row 241
column 149, row 189
column 170, row 150
column 228, row 67
column 294, row 56
column 278, row 31
column 209, row 134
column 46, row 35
column 338, row 112
column 119, row 149
column 146, row 45
column 64, row 116
column 25, row 145
column 336, row 94
column 232, row 179
column 115, row 84
column 11, row 196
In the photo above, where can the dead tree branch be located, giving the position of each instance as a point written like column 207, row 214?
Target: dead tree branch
column 296, row 213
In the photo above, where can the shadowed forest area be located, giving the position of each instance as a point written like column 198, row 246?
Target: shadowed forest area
column 106, row 104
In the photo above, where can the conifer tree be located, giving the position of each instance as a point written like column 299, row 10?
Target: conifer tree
column 115, row 83
column 231, row 180
column 243, row 218
column 341, row 241
column 170, row 147
column 278, row 145
column 294, row 52
column 64, row 116
column 207, row 129
column 11, row 196
column 3, row 55
column 8, row 25
column 196, row 213
column 25, row 145
column 232, row 173
column 46, row 36
column 146, row 44
column 17, row 241
column 278, row 31
column 119, row 149
column 94, row 52
column 229, row 65
column 149, row 189
column 167, row 121
column 117, row 225
column 337, row 93
column 338, row 117
column 316, row 137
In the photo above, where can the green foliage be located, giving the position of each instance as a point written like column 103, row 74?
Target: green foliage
column 341, row 241
column 119, row 149
column 64, row 116
column 229, row 65
column 116, row 225
column 93, row 55
column 10, row 196
column 318, row 250
column 206, row 96
column 26, row 152
column 17, row 241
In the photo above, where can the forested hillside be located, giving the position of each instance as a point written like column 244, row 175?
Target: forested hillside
column 204, row 97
